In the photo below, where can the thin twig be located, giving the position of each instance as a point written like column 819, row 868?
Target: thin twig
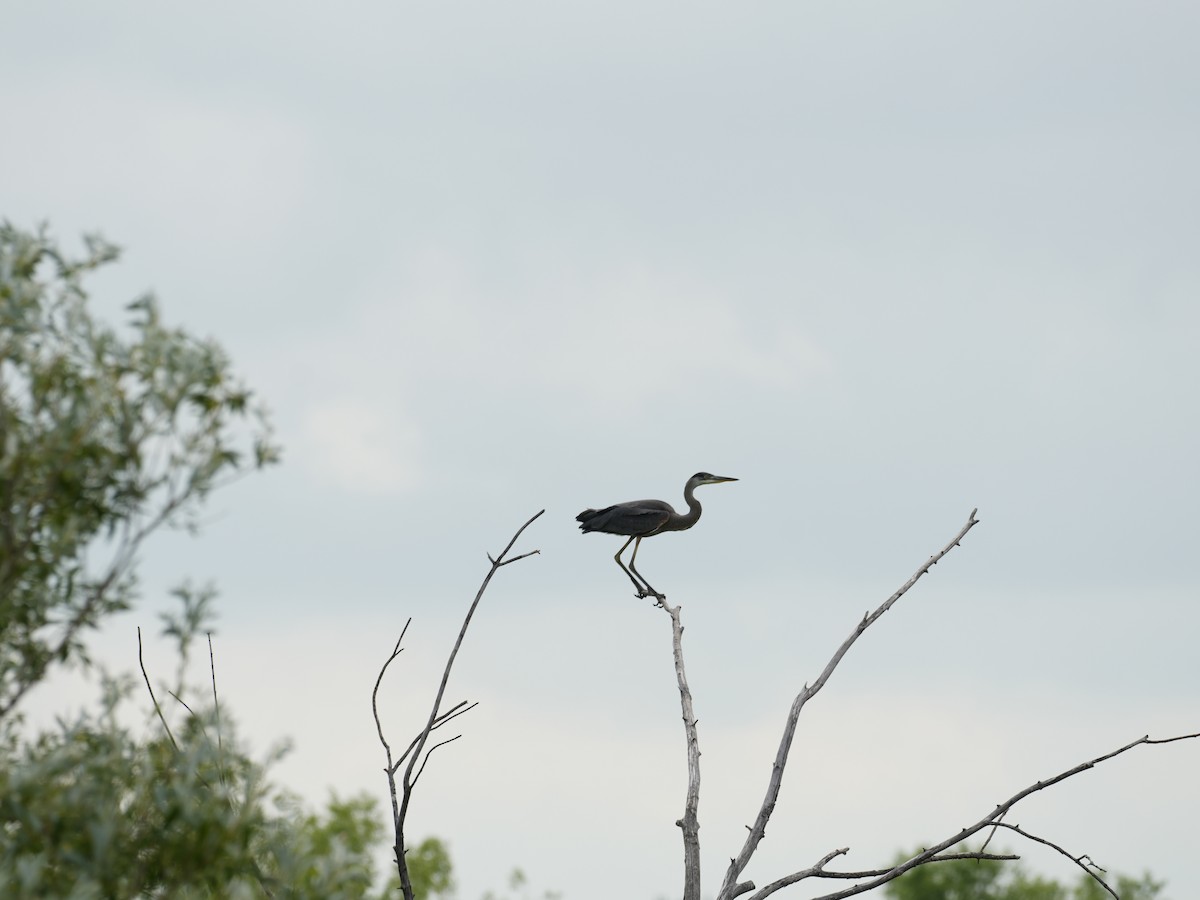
column 738, row 864
column 509, row 562
column 154, row 699
column 390, row 770
column 429, row 753
column 992, row 833
column 1078, row 860
column 212, row 668
column 179, row 700
column 1181, row 737
column 396, row 651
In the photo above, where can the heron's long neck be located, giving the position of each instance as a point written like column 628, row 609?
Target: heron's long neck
column 692, row 516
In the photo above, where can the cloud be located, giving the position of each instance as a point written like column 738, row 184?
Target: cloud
column 628, row 339
column 210, row 171
column 646, row 332
column 360, row 445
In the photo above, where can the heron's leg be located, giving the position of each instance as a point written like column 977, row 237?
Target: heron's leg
column 649, row 590
column 641, row 589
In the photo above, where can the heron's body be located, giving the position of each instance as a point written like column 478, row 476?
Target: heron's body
column 639, row 518
column 644, row 518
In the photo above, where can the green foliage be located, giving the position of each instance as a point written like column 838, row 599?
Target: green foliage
column 518, row 885
column 91, row 810
column 994, row 880
column 968, row 880
column 356, row 827
column 429, row 870
column 103, row 439
column 1129, row 888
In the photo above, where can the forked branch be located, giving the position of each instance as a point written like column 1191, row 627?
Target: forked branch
column 731, row 888
column 1084, row 861
column 416, row 754
column 991, row 821
column 819, row 871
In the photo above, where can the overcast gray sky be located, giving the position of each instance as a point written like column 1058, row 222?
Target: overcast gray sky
column 884, row 262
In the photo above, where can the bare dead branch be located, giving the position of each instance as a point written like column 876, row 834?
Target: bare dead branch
column 154, row 699
column 1090, row 866
column 455, row 711
column 436, row 718
column 942, row 857
column 812, row 871
column 690, row 823
column 815, row 870
column 437, row 702
column 738, row 864
column 819, row 871
column 994, row 817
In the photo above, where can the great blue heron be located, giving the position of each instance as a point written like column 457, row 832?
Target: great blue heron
column 642, row 519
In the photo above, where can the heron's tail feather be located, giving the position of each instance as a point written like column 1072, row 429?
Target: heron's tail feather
column 585, row 518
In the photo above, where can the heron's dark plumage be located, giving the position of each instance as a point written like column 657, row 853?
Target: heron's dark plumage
column 638, row 517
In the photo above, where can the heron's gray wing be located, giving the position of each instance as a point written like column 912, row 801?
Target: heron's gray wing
column 640, row 517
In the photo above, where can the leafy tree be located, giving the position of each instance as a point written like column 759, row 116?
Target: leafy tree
column 91, row 810
column 103, row 440
column 994, row 880
column 105, row 437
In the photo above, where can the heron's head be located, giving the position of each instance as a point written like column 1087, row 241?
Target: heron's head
column 705, row 478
